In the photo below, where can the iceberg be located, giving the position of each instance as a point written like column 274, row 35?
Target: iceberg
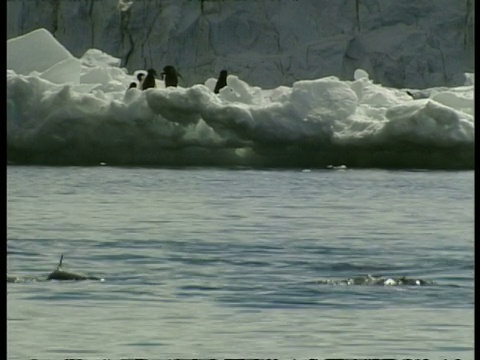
column 64, row 110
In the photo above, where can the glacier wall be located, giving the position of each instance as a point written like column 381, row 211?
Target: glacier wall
column 414, row 44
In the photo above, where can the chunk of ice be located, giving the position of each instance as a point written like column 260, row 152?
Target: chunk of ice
column 36, row 51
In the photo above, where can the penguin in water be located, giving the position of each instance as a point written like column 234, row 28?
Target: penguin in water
column 221, row 82
column 170, row 76
column 132, row 85
column 149, row 81
column 418, row 95
column 60, row 274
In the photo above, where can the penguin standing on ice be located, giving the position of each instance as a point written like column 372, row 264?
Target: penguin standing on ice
column 140, row 77
column 149, row 81
column 170, row 76
column 221, row 82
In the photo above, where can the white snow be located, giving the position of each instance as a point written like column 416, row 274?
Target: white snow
column 62, row 109
column 95, row 57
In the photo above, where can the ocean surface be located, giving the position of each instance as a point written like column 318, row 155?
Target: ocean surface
column 240, row 262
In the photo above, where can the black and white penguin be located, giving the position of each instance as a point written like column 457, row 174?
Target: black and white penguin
column 170, row 76
column 221, row 82
column 140, row 78
column 149, row 81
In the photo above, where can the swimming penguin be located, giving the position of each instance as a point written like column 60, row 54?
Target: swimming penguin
column 12, row 279
column 221, row 82
column 149, row 81
column 170, row 76
column 60, row 274
column 418, row 95
column 377, row 280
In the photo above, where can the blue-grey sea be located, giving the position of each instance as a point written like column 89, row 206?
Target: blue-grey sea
column 239, row 262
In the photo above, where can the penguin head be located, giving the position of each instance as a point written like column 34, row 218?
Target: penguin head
column 152, row 72
column 170, row 71
column 170, row 75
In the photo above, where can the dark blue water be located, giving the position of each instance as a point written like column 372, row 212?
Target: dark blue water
column 240, row 263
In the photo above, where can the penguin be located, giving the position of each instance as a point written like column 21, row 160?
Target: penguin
column 132, row 85
column 221, row 82
column 149, row 81
column 60, row 274
column 419, row 95
column 140, row 78
column 170, row 76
